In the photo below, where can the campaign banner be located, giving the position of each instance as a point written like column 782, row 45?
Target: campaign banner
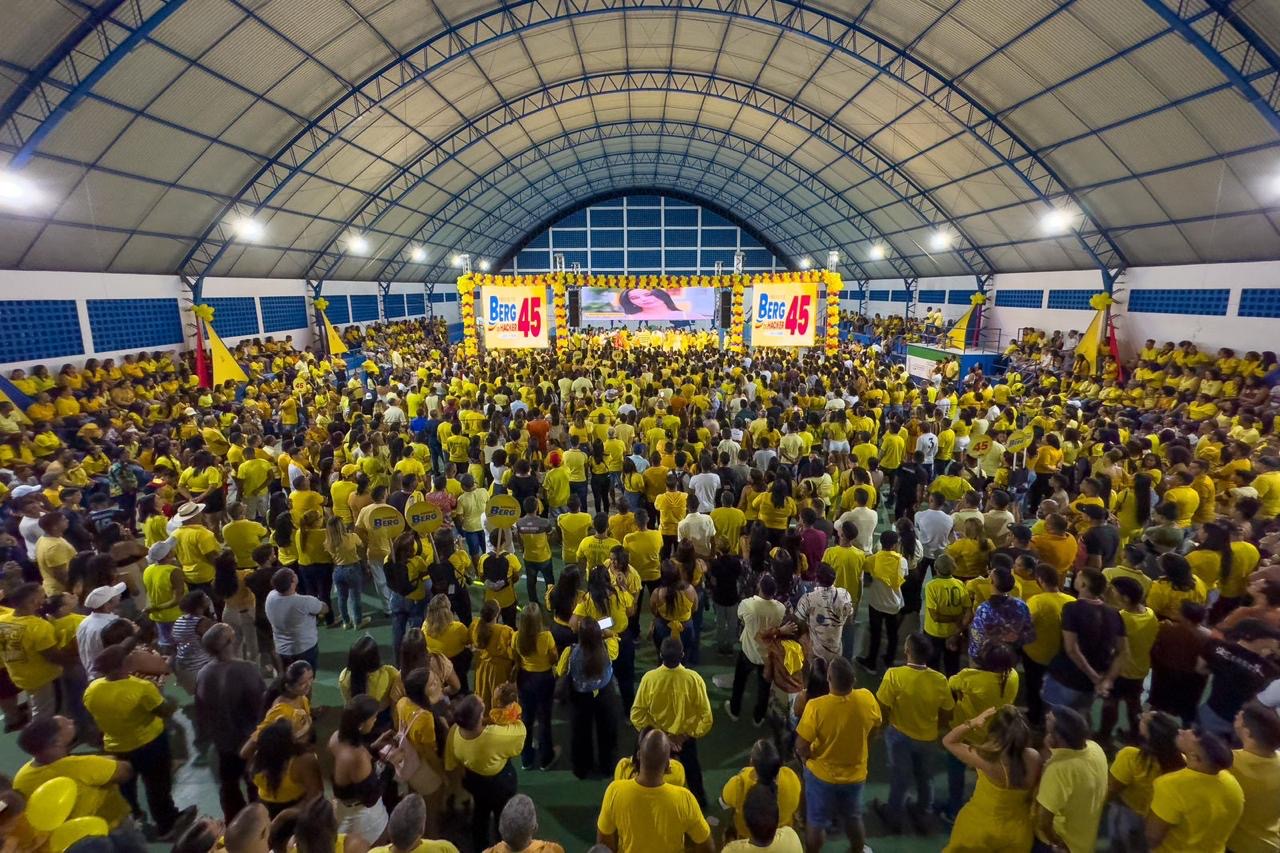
column 608, row 305
column 514, row 317
column 784, row 315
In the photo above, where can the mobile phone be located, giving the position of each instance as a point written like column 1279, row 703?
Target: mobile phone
column 606, row 623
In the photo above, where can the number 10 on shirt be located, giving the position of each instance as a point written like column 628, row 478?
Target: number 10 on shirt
column 783, row 314
column 514, row 317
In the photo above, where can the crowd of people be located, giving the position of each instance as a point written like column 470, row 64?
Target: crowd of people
column 174, row 555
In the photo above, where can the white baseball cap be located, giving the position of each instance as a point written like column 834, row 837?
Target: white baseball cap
column 103, row 595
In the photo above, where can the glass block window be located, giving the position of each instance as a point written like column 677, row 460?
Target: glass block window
column 1260, row 302
column 339, row 310
column 1019, row 298
column 125, row 324
column 1206, row 302
column 879, row 296
column 235, row 316
column 393, row 305
column 604, row 237
column 415, row 304
column 959, row 297
column 933, row 297
column 282, row 313
column 1071, row 300
column 364, row 308
column 899, row 295
column 32, row 329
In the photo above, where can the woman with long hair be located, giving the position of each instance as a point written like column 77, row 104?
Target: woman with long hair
column 282, row 536
column 494, row 656
column 776, row 509
column 285, row 771
column 452, row 572
column 562, row 600
column 1132, row 506
column 535, row 655
column 414, row 716
column 202, row 483
column 998, row 815
column 600, row 482
column 348, row 574
column 315, row 563
column 766, row 769
column 365, row 673
column 991, row 682
column 1210, row 559
column 447, row 635
column 1132, row 779
column 972, row 552
column 594, row 704
column 672, row 605
column 289, row 698
column 1175, row 585
column 357, row 785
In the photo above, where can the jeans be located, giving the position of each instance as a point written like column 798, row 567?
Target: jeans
column 311, row 656
column 579, row 491
column 955, row 784
column 828, row 804
column 1057, row 693
column 849, row 636
column 348, row 582
column 405, row 614
column 908, row 762
column 380, row 581
column 153, row 763
column 537, row 691
column 600, row 491
column 943, row 659
column 726, row 626
column 317, row 579
column 742, row 670
column 1211, row 721
column 475, row 542
column 662, row 630
column 533, row 569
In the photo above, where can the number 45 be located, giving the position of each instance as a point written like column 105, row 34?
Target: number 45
column 798, row 316
column 530, row 321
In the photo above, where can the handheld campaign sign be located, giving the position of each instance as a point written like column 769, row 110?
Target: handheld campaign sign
column 784, row 315
column 423, row 517
column 513, row 317
column 388, row 519
column 502, row 511
column 1019, row 440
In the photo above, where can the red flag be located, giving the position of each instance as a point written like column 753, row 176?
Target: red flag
column 1114, row 346
column 202, row 363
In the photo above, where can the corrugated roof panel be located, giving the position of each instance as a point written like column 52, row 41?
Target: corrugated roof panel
column 198, row 26
column 312, row 24
column 16, row 236
column 1174, row 70
column 43, row 24
column 1228, row 121
column 1125, row 203
column 141, row 76
column 154, row 150
column 1086, row 161
column 202, row 102
column 73, row 249
column 1199, row 190
column 253, row 56
column 1155, row 246
column 142, row 254
column 903, row 20
column 87, row 131
column 1159, row 140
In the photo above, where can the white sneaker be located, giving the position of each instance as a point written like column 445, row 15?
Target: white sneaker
column 729, row 713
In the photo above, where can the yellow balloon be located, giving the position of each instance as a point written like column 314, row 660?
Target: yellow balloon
column 74, row 830
column 50, row 804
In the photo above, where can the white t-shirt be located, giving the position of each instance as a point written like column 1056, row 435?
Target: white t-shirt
column 883, row 598
column 293, row 621
column 933, row 529
column 31, row 533
column 927, row 444
column 757, row 615
column 704, row 486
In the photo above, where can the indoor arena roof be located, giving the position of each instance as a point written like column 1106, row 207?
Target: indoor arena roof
column 373, row 139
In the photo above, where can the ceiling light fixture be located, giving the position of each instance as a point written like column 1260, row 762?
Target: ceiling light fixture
column 877, row 252
column 357, row 244
column 483, row 265
column 940, row 241
column 1057, row 221
column 16, row 191
column 417, row 254
column 249, row 229
column 805, row 263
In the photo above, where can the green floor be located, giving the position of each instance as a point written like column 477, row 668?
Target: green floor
column 568, row 807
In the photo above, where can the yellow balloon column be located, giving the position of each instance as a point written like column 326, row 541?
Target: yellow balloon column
column 737, row 316
column 834, row 284
column 467, row 307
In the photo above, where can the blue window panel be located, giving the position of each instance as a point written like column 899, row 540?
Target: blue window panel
column 610, row 202
column 531, row 259
column 119, row 324
column 577, row 219
column 681, row 238
column 879, row 296
column 711, row 256
column 31, row 329
column 235, row 316
column 647, row 260
column 280, row 313
column 726, row 237
column 644, row 218
column 415, row 304
column 899, row 296
column 678, row 202
column 757, row 259
column 1210, row 302
column 749, row 242
column 393, row 305
column 960, row 297
column 607, row 239
column 568, row 239
column 439, row 298
column 1260, row 302
column 339, row 310
column 682, row 258
column 542, row 241
column 644, row 238
column 644, row 201
column 1019, row 298
column 1070, row 300
column 606, row 217
column 714, row 219
column 607, row 260
column 364, row 308
column 681, row 217
column 933, row 297
column 571, row 258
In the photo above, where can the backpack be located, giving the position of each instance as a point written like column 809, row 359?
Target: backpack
column 409, row 767
column 397, row 574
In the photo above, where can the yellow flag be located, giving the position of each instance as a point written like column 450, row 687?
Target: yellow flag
column 336, row 346
column 224, row 366
column 1091, row 342
column 959, row 332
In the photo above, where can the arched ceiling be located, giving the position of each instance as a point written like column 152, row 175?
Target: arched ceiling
column 149, row 128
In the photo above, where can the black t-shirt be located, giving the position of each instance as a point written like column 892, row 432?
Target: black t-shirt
column 523, row 487
column 1097, row 628
column 1238, row 675
column 725, row 571
column 1103, row 541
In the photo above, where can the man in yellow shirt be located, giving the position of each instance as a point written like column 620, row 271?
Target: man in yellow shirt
column 644, row 547
column 242, row 535
column 555, row 486
column 53, row 553
column 1073, row 785
column 674, row 701
column 29, row 649
column 535, row 532
column 574, row 526
column 1257, row 768
column 831, row 740
column 196, row 546
column 1199, row 806
column 97, row 777
column 575, row 463
column 377, row 541
column 648, row 815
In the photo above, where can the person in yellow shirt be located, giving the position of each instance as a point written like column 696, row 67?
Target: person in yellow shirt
column 673, row 700
column 1197, row 807
column 30, row 651
column 97, row 778
column 649, row 815
column 831, row 740
column 1257, row 768
column 242, row 536
column 672, row 506
column 768, row 772
column 644, row 549
column 131, row 713
column 915, row 701
column 1133, row 773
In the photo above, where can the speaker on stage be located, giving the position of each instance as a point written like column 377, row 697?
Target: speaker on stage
column 726, row 309
column 573, row 297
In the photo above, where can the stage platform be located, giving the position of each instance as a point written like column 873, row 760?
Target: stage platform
column 922, row 358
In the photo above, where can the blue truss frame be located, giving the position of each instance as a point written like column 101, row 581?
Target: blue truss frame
column 792, row 16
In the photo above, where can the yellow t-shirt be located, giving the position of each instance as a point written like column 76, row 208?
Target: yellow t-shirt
column 574, row 527
column 672, row 508
column 643, row 550
column 451, row 642
column 541, row 658
column 1138, row 774
column 195, row 548
column 1259, row 828
column 1140, row 631
column 1201, row 809
column 125, row 711
column 22, row 639
column 945, row 597
column 242, row 537
column 836, row 728
column 774, row 517
column 96, row 794
column 736, row 789
column 651, row 820
column 976, row 690
column 1074, row 785
column 254, row 475
column 914, row 697
column 1046, row 618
